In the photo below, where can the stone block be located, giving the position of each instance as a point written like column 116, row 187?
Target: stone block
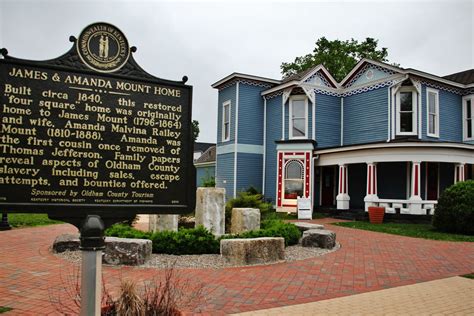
column 162, row 222
column 210, row 209
column 126, row 251
column 244, row 219
column 66, row 242
column 253, row 250
column 321, row 238
column 304, row 226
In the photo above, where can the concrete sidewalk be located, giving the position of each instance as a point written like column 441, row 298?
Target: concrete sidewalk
column 451, row 296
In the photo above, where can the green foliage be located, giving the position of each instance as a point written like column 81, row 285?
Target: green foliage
column 4, row 309
column 209, row 181
column 187, row 241
column 184, row 242
column 339, row 57
column 455, row 210
column 273, row 228
column 247, row 199
column 425, row 231
column 28, row 219
column 195, row 129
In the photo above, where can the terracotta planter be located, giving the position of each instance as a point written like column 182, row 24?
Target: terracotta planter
column 376, row 214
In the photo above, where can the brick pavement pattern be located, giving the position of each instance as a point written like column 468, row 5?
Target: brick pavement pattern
column 31, row 276
column 451, row 296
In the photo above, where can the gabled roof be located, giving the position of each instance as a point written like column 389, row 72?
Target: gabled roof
column 298, row 76
column 208, row 156
column 202, row 147
column 362, row 63
column 244, row 76
column 464, row 77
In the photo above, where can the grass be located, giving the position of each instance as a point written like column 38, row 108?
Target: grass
column 27, row 220
column 4, row 309
column 425, row 231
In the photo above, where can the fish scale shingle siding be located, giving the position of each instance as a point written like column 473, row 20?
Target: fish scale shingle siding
column 365, row 117
column 273, row 134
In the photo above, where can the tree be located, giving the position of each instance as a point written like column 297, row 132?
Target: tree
column 339, row 57
column 195, row 129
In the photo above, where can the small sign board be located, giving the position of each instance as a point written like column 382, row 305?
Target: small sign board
column 91, row 131
column 305, row 211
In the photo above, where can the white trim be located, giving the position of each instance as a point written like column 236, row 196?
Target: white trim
column 236, row 135
column 224, row 104
column 205, row 164
column 342, row 121
column 290, row 117
column 313, row 118
column 282, row 118
column 436, row 133
column 464, row 125
column 264, row 143
column 389, row 102
column 323, row 69
column 244, row 76
column 294, row 147
column 414, row 108
column 280, row 87
column 241, row 148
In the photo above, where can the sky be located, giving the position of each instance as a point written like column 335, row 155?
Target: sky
column 208, row 40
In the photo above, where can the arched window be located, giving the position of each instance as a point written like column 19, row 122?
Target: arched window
column 294, row 176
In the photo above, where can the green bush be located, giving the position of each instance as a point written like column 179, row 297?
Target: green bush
column 247, row 199
column 186, row 241
column 273, row 228
column 455, row 210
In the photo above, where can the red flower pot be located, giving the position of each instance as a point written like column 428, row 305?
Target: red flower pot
column 376, row 214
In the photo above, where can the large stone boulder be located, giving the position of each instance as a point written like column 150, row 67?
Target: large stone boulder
column 244, row 219
column 321, row 238
column 253, row 250
column 126, row 251
column 303, row 226
column 210, row 209
column 66, row 242
column 162, row 222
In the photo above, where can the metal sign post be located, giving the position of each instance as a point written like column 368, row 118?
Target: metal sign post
column 92, row 244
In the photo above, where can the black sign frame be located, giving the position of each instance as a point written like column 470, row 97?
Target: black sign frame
column 71, row 62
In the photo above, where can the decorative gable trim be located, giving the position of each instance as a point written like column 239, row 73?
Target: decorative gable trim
column 362, row 63
column 245, row 81
column 322, row 75
column 364, row 70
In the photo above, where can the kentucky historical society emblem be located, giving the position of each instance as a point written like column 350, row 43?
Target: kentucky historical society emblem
column 103, row 47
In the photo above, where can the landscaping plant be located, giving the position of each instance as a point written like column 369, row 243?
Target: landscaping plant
column 454, row 212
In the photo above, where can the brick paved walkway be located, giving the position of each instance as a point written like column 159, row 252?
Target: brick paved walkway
column 367, row 261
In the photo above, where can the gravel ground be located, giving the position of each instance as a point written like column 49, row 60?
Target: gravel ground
column 292, row 253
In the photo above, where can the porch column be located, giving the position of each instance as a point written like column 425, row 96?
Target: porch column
column 459, row 172
column 342, row 197
column 415, row 193
column 371, row 197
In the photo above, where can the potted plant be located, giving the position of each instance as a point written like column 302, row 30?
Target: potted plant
column 376, row 214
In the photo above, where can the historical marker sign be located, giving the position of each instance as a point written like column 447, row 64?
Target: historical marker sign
column 91, row 131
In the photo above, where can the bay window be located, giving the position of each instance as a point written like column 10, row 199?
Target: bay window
column 298, row 117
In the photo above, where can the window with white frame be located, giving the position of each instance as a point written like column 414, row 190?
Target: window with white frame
column 294, row 176
column 406, row 111
column 226, row 121
column 468, row 114
column 298, row 117
column 432, row 107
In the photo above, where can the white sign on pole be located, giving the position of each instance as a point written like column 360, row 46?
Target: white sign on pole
column 305, row 211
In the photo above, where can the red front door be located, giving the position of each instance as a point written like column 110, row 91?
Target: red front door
column 327, row 190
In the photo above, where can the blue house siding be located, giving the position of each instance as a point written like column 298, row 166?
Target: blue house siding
column 250, row 115
column 450, row 117
column 225, row 173
column 273, row 133
column 365, row 117
column 249, row 171
column 226, row 95
column 328, row 121
column 203, row 173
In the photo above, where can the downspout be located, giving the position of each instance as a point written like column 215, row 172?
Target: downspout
column 342, row 121
column 236, row 134
column 264, row 142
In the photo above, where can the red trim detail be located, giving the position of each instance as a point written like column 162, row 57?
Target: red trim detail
column 370, row 180
column 307, row 176
column 280, row 166
column 289, row 205
column 345, row 180
column 374, row 179
column 416, row 180
column 341, row 178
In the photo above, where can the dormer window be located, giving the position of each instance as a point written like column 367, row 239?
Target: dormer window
column 406, row 111
column 298, row 117
column 468, row 117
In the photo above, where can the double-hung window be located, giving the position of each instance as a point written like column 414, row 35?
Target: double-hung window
column 226, row 121
column 406, row 111
column 468, row 117
column 432, row 107
column 298, row 117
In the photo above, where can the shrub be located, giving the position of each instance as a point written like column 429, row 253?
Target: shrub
column 249, row 199
column 187, row 241
column 125, row 231
column 455, row 210
column 273, row 228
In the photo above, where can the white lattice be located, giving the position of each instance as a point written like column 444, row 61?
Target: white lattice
column 442, row 87
column 274, row 94
column 364, row 69
column 368, row 88
column 320, row 80
column 247, row 82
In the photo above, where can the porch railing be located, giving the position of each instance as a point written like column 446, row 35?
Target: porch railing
column 392, row 206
